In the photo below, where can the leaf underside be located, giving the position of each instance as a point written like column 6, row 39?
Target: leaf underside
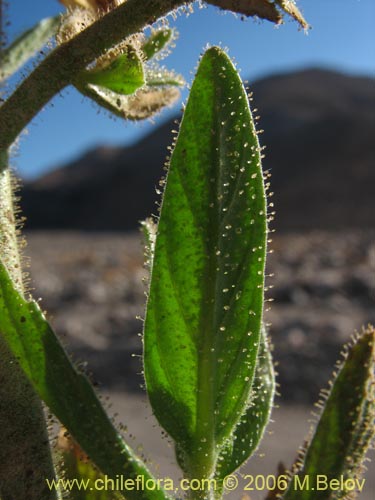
column 205, row 304
column 145, row 103
column 264, row 9
column 260, row 8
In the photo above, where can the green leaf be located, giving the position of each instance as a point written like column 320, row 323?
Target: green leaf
column 25, row 458
column 205, row 304
column 128, row 90
column 24, row 47
column 67, row 392
column 250, row 429
column 25, row 455
column 345, row 429
column 157, row 41
column 124, row 75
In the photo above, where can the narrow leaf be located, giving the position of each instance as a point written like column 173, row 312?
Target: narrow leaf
column 24, row 47
column 250, row 429
column 124, row 75
column 345, row 430
column 25, row 455
column 157, row 41
column 67, row 392
column 205, row 305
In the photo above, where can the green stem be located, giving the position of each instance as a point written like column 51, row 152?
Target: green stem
column 25, row 459
column 62, row 66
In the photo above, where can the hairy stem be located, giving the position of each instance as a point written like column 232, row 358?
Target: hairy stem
column 25, row 459
column 9, row 252
column 61, row 67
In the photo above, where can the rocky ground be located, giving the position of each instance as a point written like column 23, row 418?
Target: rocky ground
column 323, row 290
column 91, row 285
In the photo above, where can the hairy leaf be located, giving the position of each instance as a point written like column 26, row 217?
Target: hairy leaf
column 149, row 230
column 145, row 103
column 290, row 7
column 264, row 9
column 24, row 47
column 124, row 75
column 157, row 93
column 345, row 429
column 128, row 90
column 25, row 455
column 67, row 392
column 159, row 77
column 249, row 431
column 205, row 305
column 157, row 41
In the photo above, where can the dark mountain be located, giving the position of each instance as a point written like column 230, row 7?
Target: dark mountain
column 320, row 137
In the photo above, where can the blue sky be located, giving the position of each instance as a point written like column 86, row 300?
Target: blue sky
column 342, row 38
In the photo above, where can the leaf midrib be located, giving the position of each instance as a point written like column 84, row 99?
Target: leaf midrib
column 207, row 360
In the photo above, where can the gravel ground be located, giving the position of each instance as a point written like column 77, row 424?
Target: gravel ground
column 323, row 290
column 91, row 284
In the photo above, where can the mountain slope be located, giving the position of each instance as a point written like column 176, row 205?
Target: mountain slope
column 319, row 132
